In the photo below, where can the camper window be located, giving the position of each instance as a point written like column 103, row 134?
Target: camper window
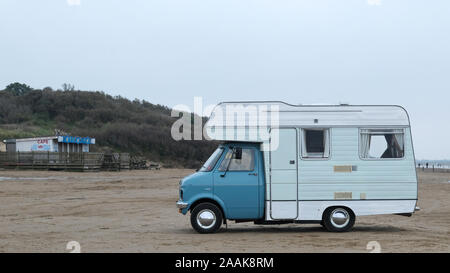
column 316, row 143
column 245, row 163
column 381, row 143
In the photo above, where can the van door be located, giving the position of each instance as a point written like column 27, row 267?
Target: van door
column 238, row 187
column 283, row 179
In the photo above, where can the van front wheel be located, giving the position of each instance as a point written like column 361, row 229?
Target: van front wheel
column 206, row 218
column 338, row 219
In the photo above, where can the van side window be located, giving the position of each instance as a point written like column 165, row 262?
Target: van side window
column 246, row 163
column 381, row 143
column 316, row 143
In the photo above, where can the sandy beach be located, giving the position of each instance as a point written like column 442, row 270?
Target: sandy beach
column 134, row 211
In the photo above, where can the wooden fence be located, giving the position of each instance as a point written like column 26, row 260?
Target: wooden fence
column 64, row 161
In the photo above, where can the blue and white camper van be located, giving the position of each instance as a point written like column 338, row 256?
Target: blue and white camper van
column 322, row 164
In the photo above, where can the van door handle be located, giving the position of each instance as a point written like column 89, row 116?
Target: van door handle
column 292, row 162
column 255, row 174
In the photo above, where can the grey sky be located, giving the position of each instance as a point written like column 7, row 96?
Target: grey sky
column 168, row 51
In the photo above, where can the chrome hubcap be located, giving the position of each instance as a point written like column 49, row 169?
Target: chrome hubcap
column 340, row 218
column 206, row 218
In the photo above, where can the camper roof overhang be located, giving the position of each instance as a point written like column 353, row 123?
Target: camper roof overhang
column 288, row 115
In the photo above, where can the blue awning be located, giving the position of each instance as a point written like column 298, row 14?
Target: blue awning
column 76, row 140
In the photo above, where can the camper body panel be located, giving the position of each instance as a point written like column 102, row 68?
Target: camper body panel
column 387, row 178
column 372, row 181
column 313, row 210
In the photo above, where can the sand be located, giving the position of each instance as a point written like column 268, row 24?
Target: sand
column 134, row 211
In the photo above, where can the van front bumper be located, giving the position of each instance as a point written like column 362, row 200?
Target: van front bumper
column 181, row 204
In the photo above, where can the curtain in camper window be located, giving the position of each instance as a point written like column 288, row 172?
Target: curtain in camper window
column 400, row 140
column 304, row 152
column 326, row 139
column 394, row 145
column 365, row 145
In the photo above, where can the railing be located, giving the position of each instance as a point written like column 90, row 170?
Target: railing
column 62, row 161
column 434, row 169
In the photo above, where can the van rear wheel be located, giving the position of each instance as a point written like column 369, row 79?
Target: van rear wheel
column 206, row 218
column 338, row 219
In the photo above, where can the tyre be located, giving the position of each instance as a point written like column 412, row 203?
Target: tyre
column 338, row 219
column 206, row 218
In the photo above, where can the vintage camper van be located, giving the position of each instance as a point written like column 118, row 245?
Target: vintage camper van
column 324, row 164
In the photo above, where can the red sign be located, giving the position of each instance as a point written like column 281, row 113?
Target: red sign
column 42, row 141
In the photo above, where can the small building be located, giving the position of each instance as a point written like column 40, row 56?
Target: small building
column 71, row 144
column 2, row 147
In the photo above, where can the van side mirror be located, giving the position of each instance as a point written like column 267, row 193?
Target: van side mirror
column 238, row 153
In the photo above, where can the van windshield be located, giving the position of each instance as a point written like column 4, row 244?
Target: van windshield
column 212, row 160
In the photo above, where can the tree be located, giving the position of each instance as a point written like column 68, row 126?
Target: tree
column 18, row 89
column 118, row 124
column 68, row 87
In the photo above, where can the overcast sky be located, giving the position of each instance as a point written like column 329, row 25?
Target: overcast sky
column 168, row 51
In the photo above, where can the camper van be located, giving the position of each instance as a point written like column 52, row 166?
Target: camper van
column 324, row 164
